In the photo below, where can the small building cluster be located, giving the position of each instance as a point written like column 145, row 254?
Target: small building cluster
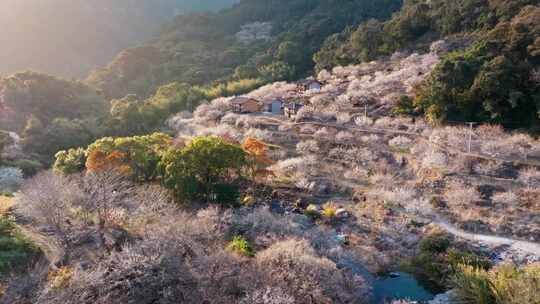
column 287, row 106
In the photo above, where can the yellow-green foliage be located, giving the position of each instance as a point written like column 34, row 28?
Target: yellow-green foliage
column 237, row 87
column 60, row 278
column 506, row 284
column 329, row 212
column 241, row 246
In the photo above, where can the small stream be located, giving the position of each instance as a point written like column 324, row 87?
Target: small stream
column 399, row 286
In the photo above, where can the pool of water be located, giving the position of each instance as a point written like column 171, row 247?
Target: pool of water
column 401, row 287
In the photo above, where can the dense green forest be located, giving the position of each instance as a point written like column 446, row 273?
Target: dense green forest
column 495, row 79
column 141, row 182
column 202, row 48
column 195, row 58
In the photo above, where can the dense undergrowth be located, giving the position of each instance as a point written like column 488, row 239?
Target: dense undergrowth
column 493, row 80
column 15, row 249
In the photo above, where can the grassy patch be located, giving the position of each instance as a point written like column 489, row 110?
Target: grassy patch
column 15, row 250
column 503, row 284
column 6, row 203
column 438, row 260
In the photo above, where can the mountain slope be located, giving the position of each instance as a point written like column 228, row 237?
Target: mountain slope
column 199, row 49
column 71, row 37
column 492, row 78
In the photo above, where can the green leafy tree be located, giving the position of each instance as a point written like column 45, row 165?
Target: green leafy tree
column 126, row 116
column 491, row 80
column 5, row 140
column 291, row 52
column 277, row 71
column 246, row 72
column 47, row 97
column 70, row 161
column 61, row 134
column 141, row 153
column 208, row 168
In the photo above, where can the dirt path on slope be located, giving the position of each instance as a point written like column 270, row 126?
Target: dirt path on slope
column 519, row 245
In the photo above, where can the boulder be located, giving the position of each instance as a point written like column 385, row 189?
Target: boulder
column 342, row 213
column 313, row 210
column 448, row 297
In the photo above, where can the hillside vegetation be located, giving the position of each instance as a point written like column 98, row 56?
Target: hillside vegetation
column 203, row 167
column 196, row 58
column 493, row 77
column 201, row 48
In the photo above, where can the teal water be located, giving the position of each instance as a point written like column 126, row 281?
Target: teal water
column 404, row 287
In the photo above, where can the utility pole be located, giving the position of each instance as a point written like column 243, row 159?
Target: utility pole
column 365, row 110
column 470, row 135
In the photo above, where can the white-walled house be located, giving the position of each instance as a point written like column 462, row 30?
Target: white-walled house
column 311, row 85
column 274, row 106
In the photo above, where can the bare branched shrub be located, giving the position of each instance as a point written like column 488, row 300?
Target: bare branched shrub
column 356, row 173
column 285, row 127
column 262, row 222
column 268, row 295
column 363, row 121
column 344, row 138
column 320, row 101
column 230, row 118
column 104, row 192
column 273, row 91
column 490, row 131
column 370, row 139
column 223, row 277
column 402, row 196
column 324, row 75
column 461, row 195
column 382, row 180
column 506, row 198
column 434, row 159
column 308, row 129
column 261, row 134
column 400, row 142
column 307, row 147
column 343, row 117
column 292, row 166
column 306, row 113
column 138, row 274
column 295, row 267
column 219, row 130
column 10, row 179
column 49, row 199
column 489, row 168
column 493, row 148
column 530, row 177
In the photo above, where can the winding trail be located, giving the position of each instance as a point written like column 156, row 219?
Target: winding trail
column 519, row 245
column 493, row 240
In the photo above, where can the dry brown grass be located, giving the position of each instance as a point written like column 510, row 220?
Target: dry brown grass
column 6, row 203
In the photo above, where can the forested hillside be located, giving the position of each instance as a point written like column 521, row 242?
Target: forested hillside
column 493, row 77
column 201, row 48
column 71, row 37
column 273, row 152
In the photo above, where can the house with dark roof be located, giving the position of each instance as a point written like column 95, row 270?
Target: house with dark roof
column 242, row 104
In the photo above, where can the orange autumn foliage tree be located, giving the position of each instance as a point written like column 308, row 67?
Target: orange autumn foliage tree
column 99, row 161
column 258, row 152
